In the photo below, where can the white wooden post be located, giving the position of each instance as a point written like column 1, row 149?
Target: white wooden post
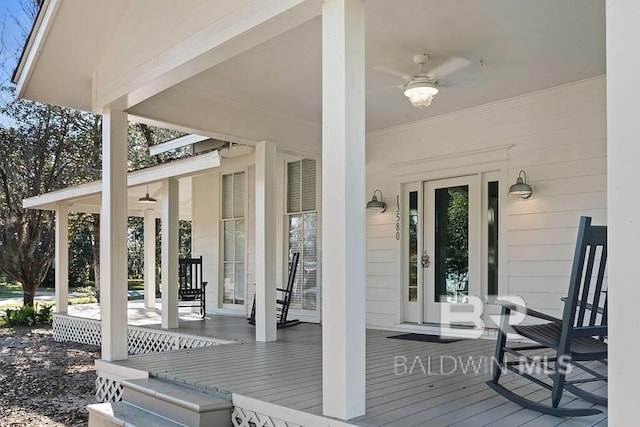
column 149, row 260
column 169, row 253
column 62, row 257
column 265, row 242
column 343, row 209
column 113, row 235
column 623, row 211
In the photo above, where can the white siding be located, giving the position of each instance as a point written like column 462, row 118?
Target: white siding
column 206, row 227
column 205, row 232
column 558, row 136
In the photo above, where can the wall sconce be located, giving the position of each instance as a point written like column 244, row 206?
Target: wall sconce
column 376, row 205
column 521, row 187
column 147, row 199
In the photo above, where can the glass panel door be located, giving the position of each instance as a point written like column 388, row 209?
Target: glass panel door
column 412, row 293
column 451, row 257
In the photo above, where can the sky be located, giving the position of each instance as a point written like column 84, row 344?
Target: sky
column 12, row 18
column 11, row 14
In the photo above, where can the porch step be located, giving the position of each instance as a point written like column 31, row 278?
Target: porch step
column 182, row 404
column 123, row 414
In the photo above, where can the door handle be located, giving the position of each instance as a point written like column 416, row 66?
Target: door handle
column 425, row 261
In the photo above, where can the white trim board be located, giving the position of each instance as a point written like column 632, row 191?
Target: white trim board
column 172, row 144
column 190, row 166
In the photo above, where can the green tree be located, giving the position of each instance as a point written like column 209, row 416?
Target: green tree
column 43, row 152
column 47, row 148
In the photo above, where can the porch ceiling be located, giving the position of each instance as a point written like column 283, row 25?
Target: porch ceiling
column 273, row 91
column 517, row 47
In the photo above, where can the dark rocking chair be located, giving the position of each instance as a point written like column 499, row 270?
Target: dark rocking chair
column 580, row 336
column 191, row 288
column 285, row 300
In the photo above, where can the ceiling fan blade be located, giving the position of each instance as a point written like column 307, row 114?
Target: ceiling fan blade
column 448, row 67
column 392, row 72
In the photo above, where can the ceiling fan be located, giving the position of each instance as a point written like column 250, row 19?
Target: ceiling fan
column 421, row 87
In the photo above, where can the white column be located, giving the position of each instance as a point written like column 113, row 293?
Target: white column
column 149, row 260
column 169, row 253
column 62, row 257
column 265, row 212
column 623, row 153
column 113, row 236
column 343, row 209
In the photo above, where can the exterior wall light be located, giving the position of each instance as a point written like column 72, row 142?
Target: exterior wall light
column 521, row 187
column 377, row 205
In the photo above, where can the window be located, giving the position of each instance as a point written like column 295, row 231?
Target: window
column 413, row 247
column 233, row 230
column 303, row 231
column 492, row 241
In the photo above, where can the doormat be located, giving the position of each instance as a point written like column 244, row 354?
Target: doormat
column 426, row 338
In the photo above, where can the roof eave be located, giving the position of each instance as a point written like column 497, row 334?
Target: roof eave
column 33, row 44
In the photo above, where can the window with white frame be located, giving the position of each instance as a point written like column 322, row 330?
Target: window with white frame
column 303, row 231
column 234, row 238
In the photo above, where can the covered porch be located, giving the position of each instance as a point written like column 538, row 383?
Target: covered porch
column 408, row 382
column 534, row 97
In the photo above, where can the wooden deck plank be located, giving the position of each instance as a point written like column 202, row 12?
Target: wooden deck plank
column 289, row 373
column 267, row 364
column 417, row 411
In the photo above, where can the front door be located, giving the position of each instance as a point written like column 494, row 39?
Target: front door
column 451, row 256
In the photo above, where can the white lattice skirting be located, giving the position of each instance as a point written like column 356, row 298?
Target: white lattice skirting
column 76, row 329
column 245, row 418
column 140, row 340
column 108, row 390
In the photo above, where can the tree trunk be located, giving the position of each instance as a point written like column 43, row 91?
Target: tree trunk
column 28, row 294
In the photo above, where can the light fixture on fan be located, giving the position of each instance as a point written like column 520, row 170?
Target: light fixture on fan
column 421, row 87
column 420, row 92
column 147, row 199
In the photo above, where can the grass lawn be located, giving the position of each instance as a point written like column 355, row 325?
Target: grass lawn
column 13, row 290
column 85, row 294
column 10, row 290
column 136, row 284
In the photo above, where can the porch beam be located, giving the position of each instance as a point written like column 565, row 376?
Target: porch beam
column 113, row 235
column 62, row 257
column 623, row 210
column 265, row 193
column 226, row 36
column 149, row 259
column 169, row 244
column 343, row 200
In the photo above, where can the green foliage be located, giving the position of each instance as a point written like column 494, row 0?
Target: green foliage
column 457, row 262
column 81, row 241
column 27, row 315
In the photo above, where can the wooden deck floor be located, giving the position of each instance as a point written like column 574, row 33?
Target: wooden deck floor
column 438, row 385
